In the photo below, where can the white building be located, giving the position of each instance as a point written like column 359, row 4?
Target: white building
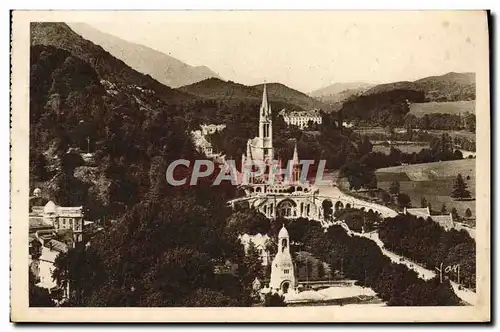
column 60, row 218
column 445, row 220
column 282, row 272
column 301, row 119
column 207, row 129
column 200, row 140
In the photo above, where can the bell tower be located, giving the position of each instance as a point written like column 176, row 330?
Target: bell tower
column 282, row 271
column 266, row 128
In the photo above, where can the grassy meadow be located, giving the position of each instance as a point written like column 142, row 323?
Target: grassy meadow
column 405, row 148
column 448, row 107
column 434, row 181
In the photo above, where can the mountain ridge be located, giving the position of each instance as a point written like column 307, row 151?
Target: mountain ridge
column 339, row 87
column 164, row 68
column 218, row 89
column 108, row 67
column 451, row 86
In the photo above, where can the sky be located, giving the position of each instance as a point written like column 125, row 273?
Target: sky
column 312, row 49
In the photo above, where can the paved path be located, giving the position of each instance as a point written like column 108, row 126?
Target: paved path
column 423, row 273
column 464, row 294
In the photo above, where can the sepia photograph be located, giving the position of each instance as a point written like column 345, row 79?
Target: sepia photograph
column 256, row 165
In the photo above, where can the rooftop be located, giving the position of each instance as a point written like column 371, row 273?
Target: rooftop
column 445, row 221
column 419, row 212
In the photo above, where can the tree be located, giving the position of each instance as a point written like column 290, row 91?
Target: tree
column 460, row 189
column 38, row 297
column 274, row 300
column 470, row 120
column 358, row 175
column 423, row 202
column 454, row 214
column 38, row 166
column 309, row 268
column 394, row 188
column 468, row 213
column 321, row 270
column 250, row 269
column 404, row 200
column 204, row 297
column 458, row 155
column 385, row 197
column 443, row 209
column 248, row 221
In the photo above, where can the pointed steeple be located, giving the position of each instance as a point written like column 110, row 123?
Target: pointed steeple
column 295, row 157
column 264, row 104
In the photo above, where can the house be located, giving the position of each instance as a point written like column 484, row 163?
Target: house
column 302, row 118
column 53, row 218
column 418, row 212
column 445, row 221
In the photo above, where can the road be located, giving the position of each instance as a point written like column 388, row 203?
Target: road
column 464, row 294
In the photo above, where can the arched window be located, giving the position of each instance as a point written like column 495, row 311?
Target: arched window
column 285, row 209
column 284, row 244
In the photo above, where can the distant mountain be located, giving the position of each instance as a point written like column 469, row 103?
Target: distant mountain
column 164, row 68
column 449, row 87
column 337, row 88
column 334, row 95
column 230, row 92
column 283, row 93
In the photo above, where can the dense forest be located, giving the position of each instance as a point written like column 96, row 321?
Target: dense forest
column 427, row 243
column 391, row 109
column 327, row 141
column 387, row 108
column 448, row 87
column 152, row 231
column 358, row 258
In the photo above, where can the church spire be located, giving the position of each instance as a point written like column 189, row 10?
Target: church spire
column 295, row 157
column 264, row 105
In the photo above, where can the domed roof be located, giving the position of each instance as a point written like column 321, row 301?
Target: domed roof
column 50, row 207
column 283, row 232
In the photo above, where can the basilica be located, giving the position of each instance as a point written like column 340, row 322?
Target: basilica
column 288, row 195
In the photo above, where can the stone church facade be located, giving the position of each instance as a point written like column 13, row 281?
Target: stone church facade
column 288, row 196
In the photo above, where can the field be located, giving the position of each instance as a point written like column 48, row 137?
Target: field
column 454, row 133
column 405, row 148
column 371, row 130
column 449, row 107
column 434, row 181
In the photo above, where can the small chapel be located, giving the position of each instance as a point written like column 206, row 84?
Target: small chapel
column 282, row 271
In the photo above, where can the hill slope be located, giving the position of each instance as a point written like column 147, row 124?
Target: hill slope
column 337, row 93
column 336, row 88
column 448, row 87
column 108, row 67
column 231, row 92
column 78, row 91
column 164, row 68
column 288, row 95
